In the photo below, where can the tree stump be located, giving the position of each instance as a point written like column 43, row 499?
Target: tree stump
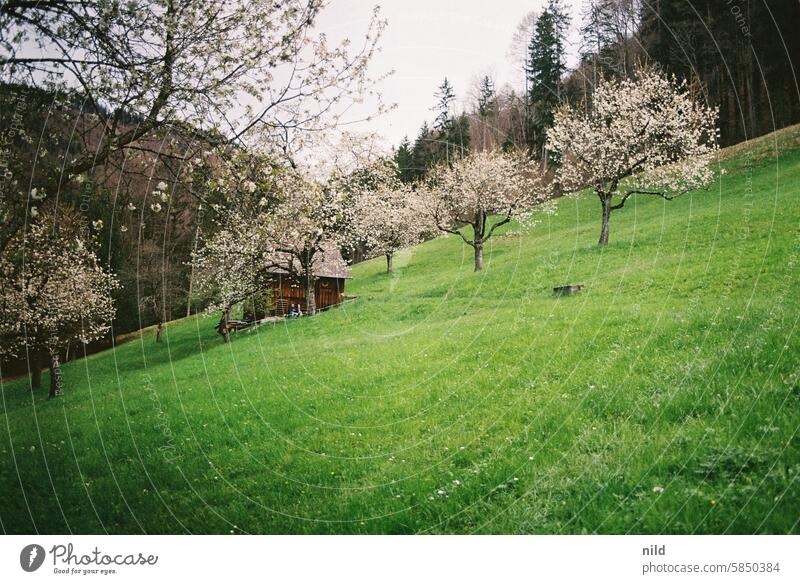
column 567, row 290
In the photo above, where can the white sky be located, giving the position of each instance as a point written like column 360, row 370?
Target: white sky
column 427, row 40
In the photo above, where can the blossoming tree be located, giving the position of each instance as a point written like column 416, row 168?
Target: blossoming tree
column 54, row 293
column 142, row 77
column 233, row 265
column 642, row 136
column 388, row 214
column 308, row 218
column 484, row 190
column 268, row 218
column 238, row 248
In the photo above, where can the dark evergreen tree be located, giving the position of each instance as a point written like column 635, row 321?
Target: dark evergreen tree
column 445, row 97
column 404, row 157
column 544, row 70
column 744, row 55
column 422, row 156
column 487, row 98
column 457, row 137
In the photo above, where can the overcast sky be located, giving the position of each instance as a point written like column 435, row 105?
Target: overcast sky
column 427, row 40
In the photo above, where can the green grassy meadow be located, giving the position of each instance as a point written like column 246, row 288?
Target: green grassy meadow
column 663, row 399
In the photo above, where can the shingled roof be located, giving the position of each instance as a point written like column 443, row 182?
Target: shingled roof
column 328, row 263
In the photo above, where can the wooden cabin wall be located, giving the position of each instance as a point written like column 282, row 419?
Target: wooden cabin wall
column 328, row 291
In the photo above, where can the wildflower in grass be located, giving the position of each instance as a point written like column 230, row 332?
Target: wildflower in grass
column 658, row 489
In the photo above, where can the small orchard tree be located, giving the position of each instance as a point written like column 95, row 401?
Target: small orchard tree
column 308, row 218
column 55, row 292
column 484, row 190
column 387, row 213
column 238, row 250
column 233, row 265
column 645, row 135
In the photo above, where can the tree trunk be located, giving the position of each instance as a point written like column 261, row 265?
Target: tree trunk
column 478, row 255
column 478, row 232
column 35, row 364
column 159, row 330
column 55, row 375
column 606, row 202
column 389, row 266
column 311, row 298
column 223, row 325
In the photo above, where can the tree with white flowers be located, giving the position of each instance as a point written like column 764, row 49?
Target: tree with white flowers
column 388, row 214
column 238, row 250
column 308, row 218
column 268, row 218
column 641, row 136
column 143, row 78
column 233, row 265
column 485, row 191
column 55, row 292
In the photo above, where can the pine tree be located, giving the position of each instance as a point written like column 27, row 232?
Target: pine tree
column 404, row 157
column 544, row 70
column 421, row 154
column 487, row 98
column 445, row 96
column 457, row 137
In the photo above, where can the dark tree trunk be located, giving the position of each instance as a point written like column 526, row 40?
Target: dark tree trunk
column 311, row 299
column 478, row 255
column 159, row 330
column 35, row 364
column 478, row 231
column 223, row 325
column 389, row 266
column 606, row 202
column 55, row 375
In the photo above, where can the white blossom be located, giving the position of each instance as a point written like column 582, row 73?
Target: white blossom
column 388, row 215
column 484, row 190
column 644, row 135
column 59, row 295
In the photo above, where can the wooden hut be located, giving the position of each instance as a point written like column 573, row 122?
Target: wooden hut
column 332, row 272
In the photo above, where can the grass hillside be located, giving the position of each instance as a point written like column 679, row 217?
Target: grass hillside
column 665, row 398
